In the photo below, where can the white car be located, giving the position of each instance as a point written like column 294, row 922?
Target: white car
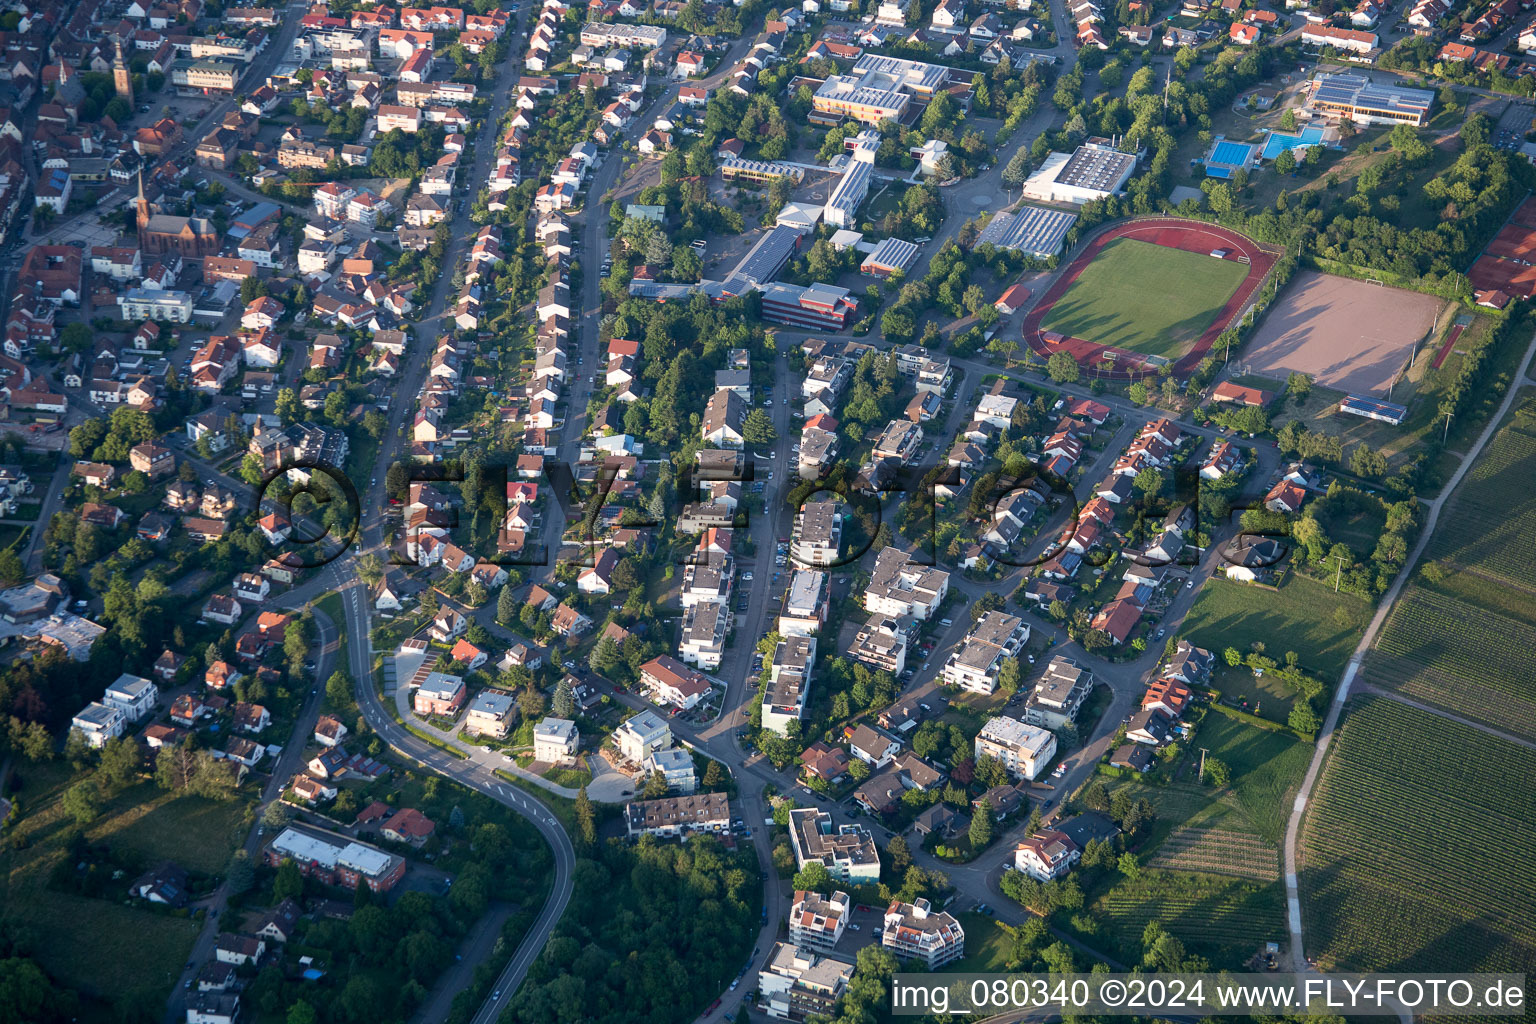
column 746, row 577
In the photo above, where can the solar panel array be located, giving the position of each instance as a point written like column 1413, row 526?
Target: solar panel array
column 1360, row 92
column 1032, row 230
column 1096, row 167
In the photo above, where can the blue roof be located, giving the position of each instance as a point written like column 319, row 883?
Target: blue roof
column 1375, row 408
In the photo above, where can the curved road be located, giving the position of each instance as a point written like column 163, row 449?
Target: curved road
column 464, row 772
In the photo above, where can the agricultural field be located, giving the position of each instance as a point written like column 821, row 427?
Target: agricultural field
column 1219, row 851
column 1224, row 919
column 1145, row 298
column 1469, row 660
column 1402, row 790
column 1487, row 525
column 1302, row 616
column 1460, row 636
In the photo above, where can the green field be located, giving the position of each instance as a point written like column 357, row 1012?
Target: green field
column 1461, row 635
column 1224, row 919
column 1419, row 850
column 1145, row 298
column 1302, row 616
column 102, row 947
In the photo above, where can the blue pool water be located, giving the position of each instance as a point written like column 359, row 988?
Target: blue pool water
column 1278, row 143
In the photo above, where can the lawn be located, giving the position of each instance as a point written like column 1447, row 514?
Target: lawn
column 104, row 948
column 1146, row 298
column 1302, row 616
column 1400, row 789
column 988, row 945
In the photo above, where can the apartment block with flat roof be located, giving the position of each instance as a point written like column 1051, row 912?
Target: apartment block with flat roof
column 847, row 851
column 1025, row 750
column 1059, row 694
column 915, row 931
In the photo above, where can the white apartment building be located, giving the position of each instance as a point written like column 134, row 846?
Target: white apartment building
column 804, row 610
column 847, row 851
column 1024, row 750
column 134, row 696
column 915, row 931
column 975, row 663
column 789, row 682
column 899, row 587
column 800, row 983
column 818, row 533
column 1059, row 694
column 98, row 722
column 817, row 921
column 555, row 740
column 641, row 736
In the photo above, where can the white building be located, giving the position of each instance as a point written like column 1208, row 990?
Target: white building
column 676, row 767
column 817, row 921
column 134, row 696
column 915, row 931
column 98, row 723
column 555, row 740
column 797, row 983
column 1094, row 171
column 641, row 736
column 847, row 851
column 1024, row 750
column 974, row 664
column 1046, row 855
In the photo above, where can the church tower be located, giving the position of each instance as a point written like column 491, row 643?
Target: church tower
column 141, row 207
column 122, row 79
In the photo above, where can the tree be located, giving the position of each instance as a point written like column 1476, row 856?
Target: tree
column 1008, row 675
column 289, row 881
column 1285, row 163
column 287, row 407
column 605, row 656
column 981, row 826
column 1288, row 120
column 1062, row 368
column 301, row 1013
column 531, row 703
column 1129, row 866
column 714, row 776
column 814, row 877
column 296, row 645
column 1218, row 772
column 1149, row 482
column 240, row 875
column 119, row 764
column 586, row 819
column 858, row 769
column 1302, row 718
column 1017, row 169
column 1233, row 657
column 655, row 786
column 564, row 704
column 506, row 605
column 82, row 802
column 1220, row 199
column 338, row 691
column 1299, row 386
column 757, row 430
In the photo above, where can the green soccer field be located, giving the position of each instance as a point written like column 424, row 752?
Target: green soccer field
column 1145, row 298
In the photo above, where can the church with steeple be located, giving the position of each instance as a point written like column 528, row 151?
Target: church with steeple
column 161, row 233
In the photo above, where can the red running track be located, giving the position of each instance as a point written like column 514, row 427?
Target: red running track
column 1450, row 343
column 1188, row 235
